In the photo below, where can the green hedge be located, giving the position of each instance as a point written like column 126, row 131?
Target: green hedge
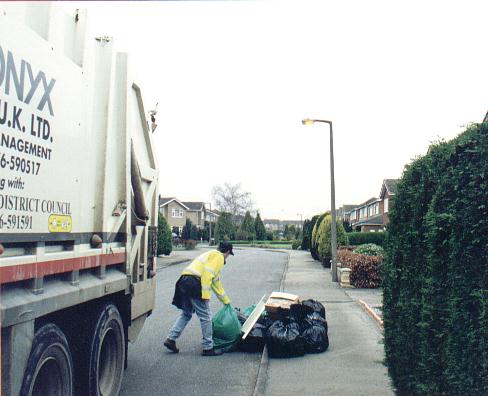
column 360, row 238
column 435, row 280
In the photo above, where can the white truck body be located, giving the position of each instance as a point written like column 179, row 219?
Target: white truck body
column 78, row 191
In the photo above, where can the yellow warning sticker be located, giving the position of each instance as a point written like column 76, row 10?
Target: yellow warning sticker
column 59, row 223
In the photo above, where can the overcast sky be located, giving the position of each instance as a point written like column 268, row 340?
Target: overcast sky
column 234, row 79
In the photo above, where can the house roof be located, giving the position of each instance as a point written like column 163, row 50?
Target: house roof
column 389, row 186
column 166, row 201
column 195, row 206
column 373, row 220
column 369, row 201
column 271, row 221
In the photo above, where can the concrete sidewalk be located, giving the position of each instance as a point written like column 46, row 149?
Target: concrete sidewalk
column 353, row 363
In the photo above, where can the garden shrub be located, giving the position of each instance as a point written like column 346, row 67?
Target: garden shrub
column 365, row 269
column 370, row 249
column 360, row 238
column 435, row 286
column 164, row 236
column 313, row 243
column 189, row 244
column 324, row 238
column 307, row 232
column 295, row 244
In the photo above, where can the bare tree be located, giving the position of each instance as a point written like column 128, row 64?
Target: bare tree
column 231, row 199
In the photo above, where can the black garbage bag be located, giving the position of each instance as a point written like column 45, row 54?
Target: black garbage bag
column 265, row 320
column 242, row 318
column 255, row 340
column 299, row 312
column 315, row 333
column 283, row 339
column 316, row 306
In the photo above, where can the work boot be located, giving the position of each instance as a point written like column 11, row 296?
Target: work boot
column 211, row 352
column 171, row 345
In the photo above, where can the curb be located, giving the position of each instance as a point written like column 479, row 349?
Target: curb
column 179, row 261
column 260, row 386
column 371, row 313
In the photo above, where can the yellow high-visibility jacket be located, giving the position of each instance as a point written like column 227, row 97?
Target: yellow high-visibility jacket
column 207, row 267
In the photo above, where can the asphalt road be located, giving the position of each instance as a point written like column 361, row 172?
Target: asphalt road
column 153, row 370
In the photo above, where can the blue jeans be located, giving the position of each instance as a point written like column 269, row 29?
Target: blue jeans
column 202, row 309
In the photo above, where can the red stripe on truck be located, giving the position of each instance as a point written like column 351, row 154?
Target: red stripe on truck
column 14, row 273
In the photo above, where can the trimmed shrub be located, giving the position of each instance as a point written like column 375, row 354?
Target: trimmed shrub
column 370, row 249
column 365, row 269
column 360, row 238
column 189, row 244
column 187, row 230
column 307, row 232
column 259, row 228
column 435, row 287
column 164, row 236
column 295, row 244
column 313, row 243
column 324, row 239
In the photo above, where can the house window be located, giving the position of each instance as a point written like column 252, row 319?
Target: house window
column 177, row 213
column 385, row 205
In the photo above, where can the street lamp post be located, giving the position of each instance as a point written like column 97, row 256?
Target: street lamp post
column 333, row 239
column 301, row 221
column 210, row 224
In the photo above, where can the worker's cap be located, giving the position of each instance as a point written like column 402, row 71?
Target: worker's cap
column 225, row 247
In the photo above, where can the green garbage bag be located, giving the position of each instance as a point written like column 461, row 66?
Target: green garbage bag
column 226, row 329
column 248, row 311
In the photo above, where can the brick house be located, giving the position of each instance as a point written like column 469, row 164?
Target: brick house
column 371, row 215
column 367, row 216
column 388, row 191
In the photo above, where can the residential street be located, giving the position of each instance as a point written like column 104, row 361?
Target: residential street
column 351, row 365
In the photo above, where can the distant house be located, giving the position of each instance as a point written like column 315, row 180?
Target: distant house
column 279, row 225
column 367, row 216
column 388, row 191
column 273, row 225
column 196, row 213
column 176, row 212
column 371, row 215
column 344, row 212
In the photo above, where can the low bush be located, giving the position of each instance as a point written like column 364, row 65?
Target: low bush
column 365, row 270
column 189, row 244
column 360, row 238
column 295, row 244
column 370, row 249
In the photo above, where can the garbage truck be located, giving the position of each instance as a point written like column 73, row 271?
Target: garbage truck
column 78, row 205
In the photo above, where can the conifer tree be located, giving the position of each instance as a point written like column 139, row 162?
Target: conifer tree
column 259, row 228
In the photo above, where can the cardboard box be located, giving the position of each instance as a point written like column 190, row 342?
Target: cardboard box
column 279, row 300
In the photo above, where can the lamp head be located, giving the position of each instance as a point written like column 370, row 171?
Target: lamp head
column 308, row 121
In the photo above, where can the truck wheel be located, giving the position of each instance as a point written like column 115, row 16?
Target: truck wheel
column 49, row 368
column 107, row 353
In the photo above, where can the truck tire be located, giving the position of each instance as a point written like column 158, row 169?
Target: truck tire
column 49, row 368
column 107, row 353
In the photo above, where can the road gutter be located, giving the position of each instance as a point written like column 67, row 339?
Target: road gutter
column 260, row 386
